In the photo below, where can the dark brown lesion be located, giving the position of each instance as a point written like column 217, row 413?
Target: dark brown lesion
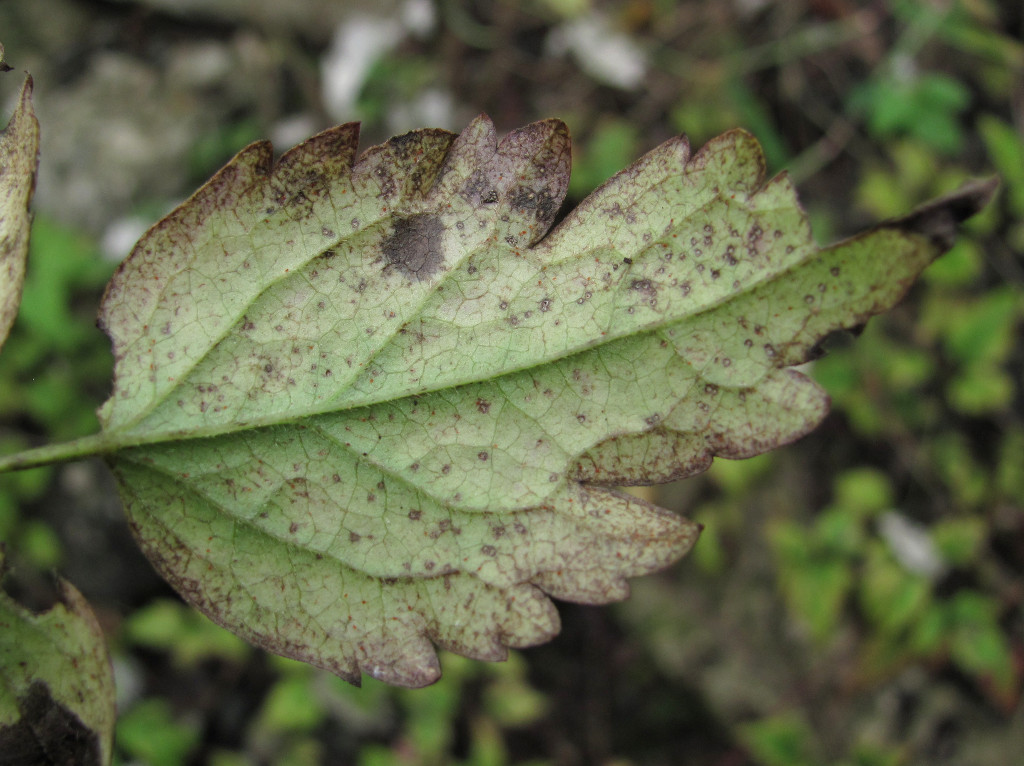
column 539, row 202
column 48, row 733
column 414, row 246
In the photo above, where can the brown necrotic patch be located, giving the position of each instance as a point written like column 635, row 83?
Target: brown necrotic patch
column 414, row 246
column 47, row 732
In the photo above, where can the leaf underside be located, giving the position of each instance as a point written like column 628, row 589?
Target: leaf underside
column 366, row 407
column 19, row 150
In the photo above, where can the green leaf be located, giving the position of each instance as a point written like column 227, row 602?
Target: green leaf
column 363, row 407
column 188, row 636
column 1006, row 150
column 56, row 684
column 891, row 596
column 784, row 739
column 978, row 643
column 149, row 733
column 19, row 158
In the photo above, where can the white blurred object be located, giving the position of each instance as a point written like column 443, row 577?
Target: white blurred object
column 433, row 107
column 603, row 52
column 358, row 43
column 120, row 237
column 418, row 17
column 292, row 130
column 750, row 7
column 911, row 544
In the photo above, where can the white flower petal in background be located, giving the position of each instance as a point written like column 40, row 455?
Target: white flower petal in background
column 419, row 17
column 357, row 44
column 292, row 130
column 603, row 52
column 911, row 544
column 434, row 107
column 120, row 237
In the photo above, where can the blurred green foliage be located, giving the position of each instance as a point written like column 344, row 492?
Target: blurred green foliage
column 53, row 365
column 150, row 733
column 188, row 636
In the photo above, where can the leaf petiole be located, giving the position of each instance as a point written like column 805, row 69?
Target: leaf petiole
column 49, row 454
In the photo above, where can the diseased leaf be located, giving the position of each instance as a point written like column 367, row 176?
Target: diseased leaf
column 56, row 684
column 19, row 157
column 366, row 407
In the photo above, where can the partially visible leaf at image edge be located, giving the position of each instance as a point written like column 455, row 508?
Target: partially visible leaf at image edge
column 366, row 407
column 19, row 149
column 56, row 683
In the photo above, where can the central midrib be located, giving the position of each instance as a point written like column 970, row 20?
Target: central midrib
column 129, row 435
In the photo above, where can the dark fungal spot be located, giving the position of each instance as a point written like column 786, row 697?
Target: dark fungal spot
column 483, row 406
column 524, row 199
column 414, row 246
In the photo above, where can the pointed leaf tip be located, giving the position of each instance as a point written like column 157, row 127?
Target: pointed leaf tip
column 938, row 219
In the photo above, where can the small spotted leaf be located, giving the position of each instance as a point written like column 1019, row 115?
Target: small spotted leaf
column 19, row 157
column 56, row 683
column 369, row 406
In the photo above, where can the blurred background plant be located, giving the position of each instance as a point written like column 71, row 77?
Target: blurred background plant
column 857, row 599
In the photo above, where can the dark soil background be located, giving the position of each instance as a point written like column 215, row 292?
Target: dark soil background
column 857, row 598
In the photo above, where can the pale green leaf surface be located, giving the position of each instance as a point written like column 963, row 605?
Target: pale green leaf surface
column 19, row 157
column 56, row 684
column 363, row 407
